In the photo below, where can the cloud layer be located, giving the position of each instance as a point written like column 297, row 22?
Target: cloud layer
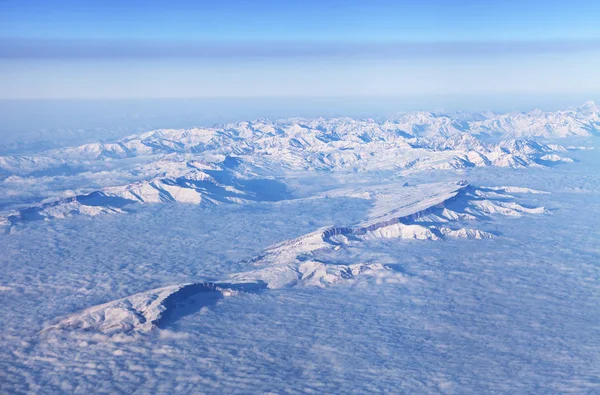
column 134, row 49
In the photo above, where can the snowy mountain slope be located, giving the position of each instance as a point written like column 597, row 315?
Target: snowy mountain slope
column 146, row 310
column 425, row 211
column 140, row 311
column 172, row 181
column 297, row 262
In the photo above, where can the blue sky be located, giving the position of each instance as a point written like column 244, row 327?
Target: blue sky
column 178, row 49
column 376, row 20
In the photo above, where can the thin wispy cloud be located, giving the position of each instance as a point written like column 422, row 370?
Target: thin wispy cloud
column 134, row 49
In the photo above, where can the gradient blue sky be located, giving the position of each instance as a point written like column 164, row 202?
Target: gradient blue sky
column 181, row 49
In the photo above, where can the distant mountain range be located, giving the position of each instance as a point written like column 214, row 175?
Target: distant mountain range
column 250, row 161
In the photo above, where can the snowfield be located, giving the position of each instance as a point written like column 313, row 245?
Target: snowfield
column 427, row 253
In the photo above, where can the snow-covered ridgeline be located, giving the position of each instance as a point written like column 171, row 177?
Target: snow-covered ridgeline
column 145, row 310
column 426, row 212
column 295, row 262
column 175, row 181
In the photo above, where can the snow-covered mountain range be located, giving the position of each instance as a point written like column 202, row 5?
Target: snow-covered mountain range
column 250, row 161
column 341, row 250
column 427, row 130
